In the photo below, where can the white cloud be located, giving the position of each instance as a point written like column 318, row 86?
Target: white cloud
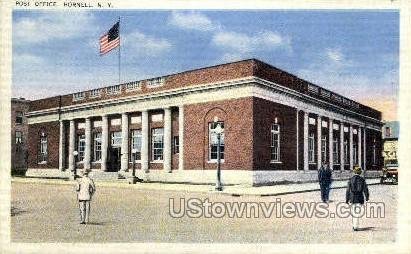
column 244, row 43
column 142, row 44
column 334, row 55
column 192, row 21
column 234, row 45
column 53, row 25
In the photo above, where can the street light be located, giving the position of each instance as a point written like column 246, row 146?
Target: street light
column 133, row 179
column 218, row 130
column 75, row 153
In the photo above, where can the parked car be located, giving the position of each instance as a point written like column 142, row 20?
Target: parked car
column 390, row 172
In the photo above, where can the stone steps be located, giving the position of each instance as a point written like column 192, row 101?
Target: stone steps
column 106, row 176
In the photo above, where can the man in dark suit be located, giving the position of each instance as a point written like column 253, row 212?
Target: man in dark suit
column 325, row 179
column 357, row 190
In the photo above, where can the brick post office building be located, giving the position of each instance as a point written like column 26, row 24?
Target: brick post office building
column 277, row 127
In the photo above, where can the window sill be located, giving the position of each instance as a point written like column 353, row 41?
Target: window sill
column 42, row 162
column 136, row 161
column 276, row 162
column 96, row 162
column 157, row 162
column 214, row 161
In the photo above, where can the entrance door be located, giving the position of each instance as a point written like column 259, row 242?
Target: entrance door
column 114, row 159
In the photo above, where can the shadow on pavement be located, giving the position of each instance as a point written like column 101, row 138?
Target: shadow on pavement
column 16, row 211
column 97, row 223
column 366, row 229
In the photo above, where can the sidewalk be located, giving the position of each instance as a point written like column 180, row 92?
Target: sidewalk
column 235, row 190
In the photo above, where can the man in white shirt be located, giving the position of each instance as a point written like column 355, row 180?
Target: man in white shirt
column 85, row 189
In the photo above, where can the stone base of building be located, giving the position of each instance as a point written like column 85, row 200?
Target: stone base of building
column 47, row 173
column 228, row 177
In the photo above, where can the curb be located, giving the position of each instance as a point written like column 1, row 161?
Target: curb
column 157, row 187
column 302, row 191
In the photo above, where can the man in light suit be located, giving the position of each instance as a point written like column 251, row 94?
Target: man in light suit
column 85, row 189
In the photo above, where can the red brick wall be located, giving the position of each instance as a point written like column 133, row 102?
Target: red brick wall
column 19, row 151
column 238, row 126
column 265, row 113
column 52, row 131
column 51, row 102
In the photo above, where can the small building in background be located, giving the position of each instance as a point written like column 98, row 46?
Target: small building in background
column 19, row 135
column 390, row 135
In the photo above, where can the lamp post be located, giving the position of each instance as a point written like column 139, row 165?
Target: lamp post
column 218, row 130
column 75, row 153
column 133, row 179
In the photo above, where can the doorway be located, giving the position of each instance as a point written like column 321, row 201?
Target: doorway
column 114, row 164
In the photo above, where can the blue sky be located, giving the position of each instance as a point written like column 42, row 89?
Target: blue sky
column 354, row 53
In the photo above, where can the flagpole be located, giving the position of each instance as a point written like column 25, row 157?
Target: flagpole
column 119, row 52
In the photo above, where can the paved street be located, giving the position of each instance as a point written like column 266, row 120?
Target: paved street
column 48, row 213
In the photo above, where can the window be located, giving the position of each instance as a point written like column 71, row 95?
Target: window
column 346, row 152
column 311, row 148
column 19, row 137
column 275, row 142
column 324, row 147
column 336, row 151
column 43, row 148
column 213, row 141
column 136, row 144
column 374, row 153
column 116, row 139
column 115, row 122
column 81, row 145
column 176, row 144
column 19, row 117
column 387, row 132
column 157, row 144
column 157, row 117
column 97, row 146
column 355, row 153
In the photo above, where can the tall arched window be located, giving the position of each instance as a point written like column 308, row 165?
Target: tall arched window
column 213, row 141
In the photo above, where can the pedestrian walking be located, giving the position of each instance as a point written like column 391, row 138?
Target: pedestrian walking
column 356, row 191
column 85, row 189
column 325, row 179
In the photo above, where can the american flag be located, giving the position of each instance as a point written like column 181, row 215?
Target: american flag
column 110, row 40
